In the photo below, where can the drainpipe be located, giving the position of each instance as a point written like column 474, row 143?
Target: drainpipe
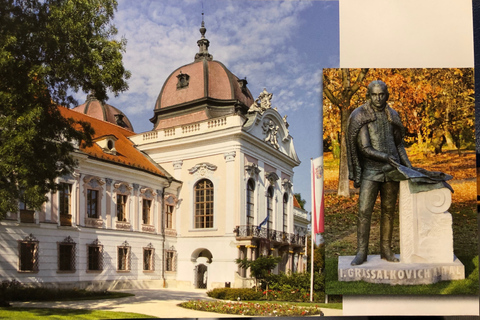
column 162, row 225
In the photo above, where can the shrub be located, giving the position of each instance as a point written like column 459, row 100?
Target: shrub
column 295, row 287
column 234, row 293
column 15, row 291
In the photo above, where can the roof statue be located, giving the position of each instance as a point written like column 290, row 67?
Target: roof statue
column 262, row 103
column 270, row 130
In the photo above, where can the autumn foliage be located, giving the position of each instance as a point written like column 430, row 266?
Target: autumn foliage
column 436, row 105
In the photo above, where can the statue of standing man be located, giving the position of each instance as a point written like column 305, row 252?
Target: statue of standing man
column 375, row 151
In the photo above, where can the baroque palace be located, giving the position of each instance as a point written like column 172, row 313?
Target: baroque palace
column 173, row 207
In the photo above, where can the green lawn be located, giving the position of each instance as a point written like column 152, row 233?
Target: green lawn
column 63, row 314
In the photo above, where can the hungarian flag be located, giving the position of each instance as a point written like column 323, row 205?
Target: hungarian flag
column 317, row 195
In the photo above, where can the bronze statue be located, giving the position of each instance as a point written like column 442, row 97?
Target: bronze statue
column 377, row 162
column 375, row 149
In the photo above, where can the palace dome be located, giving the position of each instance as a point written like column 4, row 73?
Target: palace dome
column 200, row 90
column 202, row 79
column 105, row 112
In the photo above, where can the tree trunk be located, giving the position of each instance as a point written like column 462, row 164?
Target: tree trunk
column 343, row 182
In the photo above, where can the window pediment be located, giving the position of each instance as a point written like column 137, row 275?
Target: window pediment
column 272, row 177
column 203, row 169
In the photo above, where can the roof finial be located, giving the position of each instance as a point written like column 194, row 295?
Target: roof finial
column 203, row 29
column 203, row 44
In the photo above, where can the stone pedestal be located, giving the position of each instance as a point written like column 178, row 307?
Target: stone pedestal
column 426, row 234
column 426, row 244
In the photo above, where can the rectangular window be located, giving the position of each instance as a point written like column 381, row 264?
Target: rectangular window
column 146, row 211
column 28, row 256
column 148, row 259
column 168, row 217
column 92, row 204
column 121, row 207
column 285, row 214
column 123, row 259
column 204, row 204
column 65, row 193
column 170, row 261
column 66, row 257
column 95, row 258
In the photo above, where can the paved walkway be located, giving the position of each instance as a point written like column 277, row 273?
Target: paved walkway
column 161, row 303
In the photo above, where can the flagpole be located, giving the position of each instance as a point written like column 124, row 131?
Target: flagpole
column 312, row 218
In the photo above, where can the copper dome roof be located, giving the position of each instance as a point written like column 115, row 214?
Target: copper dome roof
column 200, row 90
column 105, row 112
column 202, row 79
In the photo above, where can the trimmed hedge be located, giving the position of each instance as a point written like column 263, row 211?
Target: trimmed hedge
column 16, row 291
column 235, row 293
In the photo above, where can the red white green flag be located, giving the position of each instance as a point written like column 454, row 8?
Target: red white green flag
column 317, row 196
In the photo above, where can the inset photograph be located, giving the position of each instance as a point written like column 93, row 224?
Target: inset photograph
column 399, row 168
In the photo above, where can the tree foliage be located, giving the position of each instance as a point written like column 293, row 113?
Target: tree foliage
column 300, row 200
column 260, row 267
column 340, row 87
column 48, row 50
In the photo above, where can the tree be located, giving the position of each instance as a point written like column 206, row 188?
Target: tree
column 260, row 267
column 301, row 201
column 48, row 50
column 339, row 87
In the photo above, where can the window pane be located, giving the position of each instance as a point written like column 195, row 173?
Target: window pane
column 203, row 204
column 92, row 202
column 94, row 258
column 28, row 256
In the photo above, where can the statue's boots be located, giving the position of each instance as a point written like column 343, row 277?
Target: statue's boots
column 386, row 234
column 363, row 233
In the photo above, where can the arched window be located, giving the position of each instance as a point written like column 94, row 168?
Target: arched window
column 285, row 212
column 250, row 201
column 203, row 204
column 270, row 207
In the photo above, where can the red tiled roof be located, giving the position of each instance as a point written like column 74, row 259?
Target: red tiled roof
column 295, row 203
column 126, row 154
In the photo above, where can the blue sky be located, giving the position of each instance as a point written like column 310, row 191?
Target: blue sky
column 278, row 45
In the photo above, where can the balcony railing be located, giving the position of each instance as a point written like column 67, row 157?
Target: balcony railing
column 252, row 231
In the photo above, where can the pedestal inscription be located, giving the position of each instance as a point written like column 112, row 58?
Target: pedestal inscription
column 376, row 270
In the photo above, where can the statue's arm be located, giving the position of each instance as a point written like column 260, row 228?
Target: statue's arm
column 366, row 149
column 402, row 153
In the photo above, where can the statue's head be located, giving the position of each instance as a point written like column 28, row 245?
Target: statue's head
column 377, row 93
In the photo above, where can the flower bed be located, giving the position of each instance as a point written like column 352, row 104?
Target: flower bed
column 252, row 309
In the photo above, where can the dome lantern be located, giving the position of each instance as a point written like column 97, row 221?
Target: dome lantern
column 203, row 44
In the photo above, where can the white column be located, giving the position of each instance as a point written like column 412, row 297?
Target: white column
column 137, row 217
column 230, row 191
column 48, row 208
column 177, row 173
column 78, row 203
column 109, row 204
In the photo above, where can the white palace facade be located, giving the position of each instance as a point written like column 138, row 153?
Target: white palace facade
column 173, row 207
